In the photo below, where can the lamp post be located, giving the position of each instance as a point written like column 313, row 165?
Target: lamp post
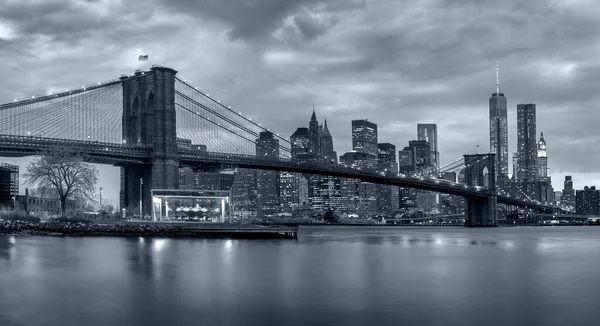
column 141, row 183
column 100, row 197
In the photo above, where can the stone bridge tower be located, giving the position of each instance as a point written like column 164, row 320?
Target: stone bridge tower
column 480, row 170
column 149, row 120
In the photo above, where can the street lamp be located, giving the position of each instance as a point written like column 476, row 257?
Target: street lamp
column 100, row 197
column 141, row 183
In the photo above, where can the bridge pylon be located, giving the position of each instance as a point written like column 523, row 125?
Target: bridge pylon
column 480, row 170
column 149, row 119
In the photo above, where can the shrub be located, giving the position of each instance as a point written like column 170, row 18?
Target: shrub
column 19, row 216
column 72, row 220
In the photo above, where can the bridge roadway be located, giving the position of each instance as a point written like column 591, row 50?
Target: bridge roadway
column 121, row 154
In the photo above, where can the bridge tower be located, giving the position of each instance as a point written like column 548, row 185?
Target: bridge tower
column 149, row 120
column 480, row 170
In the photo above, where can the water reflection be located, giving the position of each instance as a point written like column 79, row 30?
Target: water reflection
column 6, row 243
column 345, row 276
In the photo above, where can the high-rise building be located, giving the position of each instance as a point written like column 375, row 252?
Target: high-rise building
column 428, row 132
column 527, row 146
column 300, row 140
column 314, row 145
column 421, row 153
column 499, row 128
column 243, row 193
column 364, row 137
column 568, row 194
column 388, row 196
column 405, row 161
column 9, row 185
column 542, row 159
column 358, row 196
column 515, row 165
column 386, row 153
column 267, row 182
column 587, row 200
column 326, row 143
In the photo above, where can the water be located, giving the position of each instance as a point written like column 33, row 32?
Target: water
column 329, row 276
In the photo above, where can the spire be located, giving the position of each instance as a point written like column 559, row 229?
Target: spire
column 497, row 78
column 325, row 129
column 314, row 116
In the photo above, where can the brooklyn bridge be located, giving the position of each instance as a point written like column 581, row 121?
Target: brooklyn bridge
column 134, row 123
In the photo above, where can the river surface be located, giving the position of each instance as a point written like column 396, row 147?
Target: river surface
column 329, row 276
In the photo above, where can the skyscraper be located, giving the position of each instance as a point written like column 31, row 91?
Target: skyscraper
column 527, row 146
column 314, row 146
column 364, row 137
column 421, row 153
column 326, row 145
column 515, row 164
column 568, row 194
column 267, row 182
column 300, row 140
column 499, row 128
column 428, row 132
column 587, row 201
column 542, row 159
column 387, row 196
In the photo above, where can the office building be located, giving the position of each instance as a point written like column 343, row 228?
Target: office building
column 405, row 161
column 587, row 200
column 388, row 196
column 364, row 137
column 9, row 185
column 267, row 182
column 358, row 196
column 515, row 165
column 428, row 132
column 421, row 153
column 542, row 159
column 326, row 145
column 499, row 128
column 527, row 146
column 568, row 193
column 243, row 193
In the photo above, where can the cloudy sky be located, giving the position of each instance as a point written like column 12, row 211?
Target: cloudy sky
column 396, row 63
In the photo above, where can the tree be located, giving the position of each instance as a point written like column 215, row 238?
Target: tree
column 64, row 172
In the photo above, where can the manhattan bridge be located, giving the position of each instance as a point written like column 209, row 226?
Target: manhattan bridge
column 134, row 123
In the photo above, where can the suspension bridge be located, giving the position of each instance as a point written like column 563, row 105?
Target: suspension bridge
column 135, row 122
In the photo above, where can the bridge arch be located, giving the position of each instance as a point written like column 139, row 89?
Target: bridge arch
column 484, row 180
column 480, row 171
column 134, row 123
column 148, row 126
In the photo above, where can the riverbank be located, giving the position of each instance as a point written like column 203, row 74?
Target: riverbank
column 143, row 229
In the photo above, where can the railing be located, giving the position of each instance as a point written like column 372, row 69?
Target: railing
column 324, row 167
column 91, row 147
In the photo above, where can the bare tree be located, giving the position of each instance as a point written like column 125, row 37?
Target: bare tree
column 67, row 173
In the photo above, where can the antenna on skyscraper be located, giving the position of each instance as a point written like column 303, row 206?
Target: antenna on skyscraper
column 497, row 78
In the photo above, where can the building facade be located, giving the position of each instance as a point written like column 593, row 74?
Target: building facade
column 587, row 201
column 542, row 159
column 527, row 146
column 388, row 196
column 9, row 185
column 428, row 132
column 267, row 182
column 568, row 193
column 499, row 131
column 364, row 137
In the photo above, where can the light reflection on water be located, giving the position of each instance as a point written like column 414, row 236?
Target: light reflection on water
column 330, row 275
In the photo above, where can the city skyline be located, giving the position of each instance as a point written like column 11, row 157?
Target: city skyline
column 305, row 50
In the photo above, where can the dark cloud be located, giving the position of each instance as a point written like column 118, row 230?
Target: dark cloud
column 396, row 63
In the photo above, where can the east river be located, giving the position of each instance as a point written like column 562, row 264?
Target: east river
column 329, row 276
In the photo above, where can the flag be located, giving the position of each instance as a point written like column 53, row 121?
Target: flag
column 143, row 57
